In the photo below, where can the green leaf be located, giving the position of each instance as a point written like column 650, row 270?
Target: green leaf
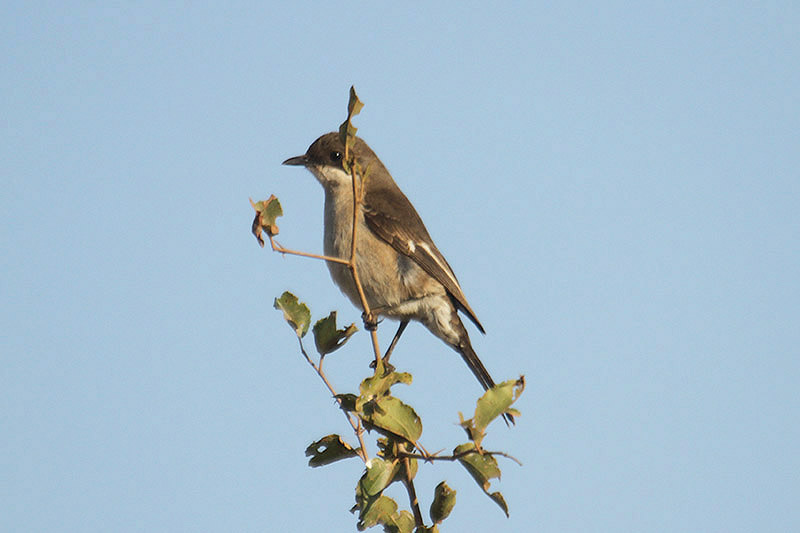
column 374, row 508
column 383, row 510
column 378, row 476
column 493, row 403
column 348, row 401
column 266, row 212
column 329, row 339
column 328, row 450
column 347, row 132
column 473, row 434
column 376, row 511
column 496, row 401
column 499, row 500
column 296, row 313
column 391, row 448
column 389, row 414
column 404, row 523
column 388, row 447
column 444, row 499
column 380, row 383
column 354, row 105
column 482, row 468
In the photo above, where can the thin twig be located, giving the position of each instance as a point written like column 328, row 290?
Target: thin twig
column 412, row 495
column 368, row 318
column 457, row 456
column 421, row 448
column 357, row 427
column 280, row 249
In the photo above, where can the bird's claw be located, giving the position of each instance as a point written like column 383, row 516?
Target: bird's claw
column 370, row 322
column 386, row 365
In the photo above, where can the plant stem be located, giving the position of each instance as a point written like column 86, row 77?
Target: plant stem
column 412, row 495
column 368, row 318
column 357, row 428
column 280, row 249
column 431, row 458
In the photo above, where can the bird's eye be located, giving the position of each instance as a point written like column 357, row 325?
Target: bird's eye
column 336, row 156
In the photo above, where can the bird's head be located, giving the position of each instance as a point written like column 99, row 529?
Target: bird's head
column 324, row 158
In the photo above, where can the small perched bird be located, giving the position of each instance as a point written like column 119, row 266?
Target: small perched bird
column 403, row 274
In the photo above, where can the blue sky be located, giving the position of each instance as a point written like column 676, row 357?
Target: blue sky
column 615, row 184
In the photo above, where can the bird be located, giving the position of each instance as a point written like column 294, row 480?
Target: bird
column 403, row 274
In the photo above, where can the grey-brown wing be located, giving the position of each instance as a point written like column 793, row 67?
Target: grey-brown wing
column 398, row 223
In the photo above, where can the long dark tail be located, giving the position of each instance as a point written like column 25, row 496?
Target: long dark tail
column 464, row 347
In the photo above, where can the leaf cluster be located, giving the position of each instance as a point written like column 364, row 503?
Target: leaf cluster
column 399, row 428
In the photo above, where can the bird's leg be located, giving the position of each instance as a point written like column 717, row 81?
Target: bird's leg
column 400, row 329
column 396, row 338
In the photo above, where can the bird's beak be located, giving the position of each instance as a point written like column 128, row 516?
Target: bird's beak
column 299, row 161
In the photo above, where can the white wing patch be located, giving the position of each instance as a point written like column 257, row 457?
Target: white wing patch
column 438, row 261
column 411, row 246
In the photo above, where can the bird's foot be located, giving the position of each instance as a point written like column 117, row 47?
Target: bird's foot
column 370, row 321
column 386, row 365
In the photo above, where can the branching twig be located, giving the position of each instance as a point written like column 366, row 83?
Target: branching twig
column 455, row 457
column 357, row 427
column 351, row 264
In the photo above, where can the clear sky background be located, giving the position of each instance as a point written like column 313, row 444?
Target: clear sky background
column 616, row 185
